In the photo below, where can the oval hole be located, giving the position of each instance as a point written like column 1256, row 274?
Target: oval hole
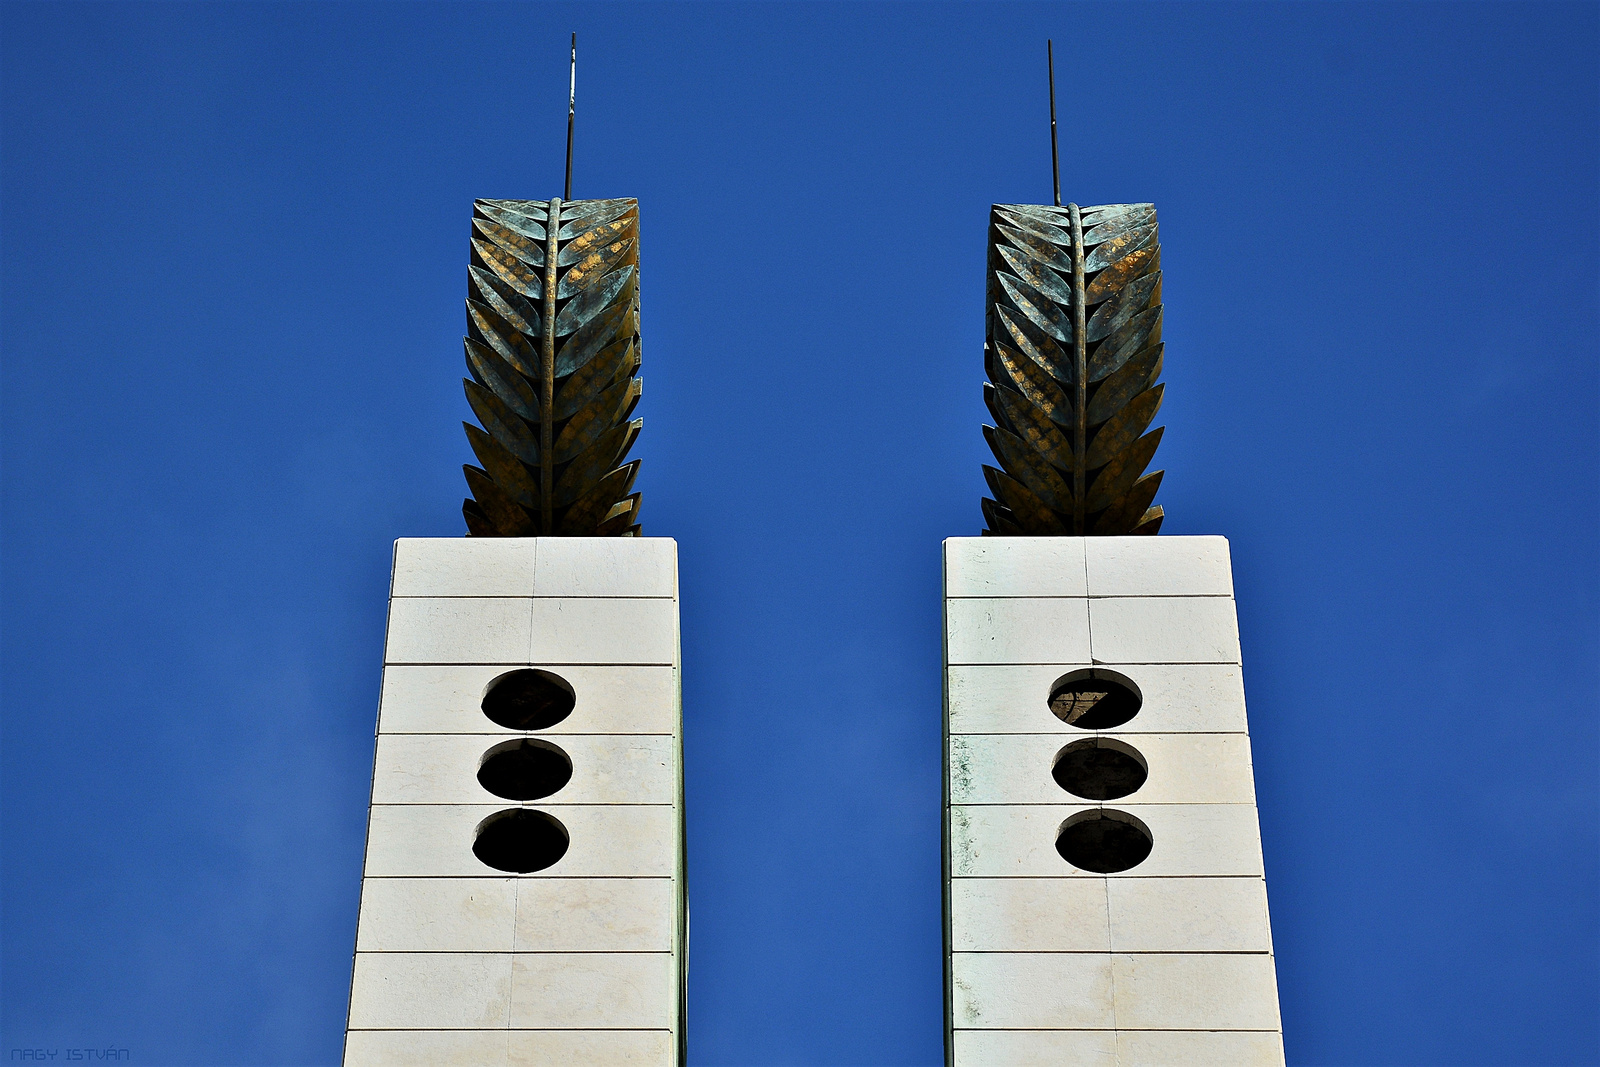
column 1104, row 841
column 520, row 840
column 528, row 700
column 1099, row 768
column 1095, row 699
column 525, row 769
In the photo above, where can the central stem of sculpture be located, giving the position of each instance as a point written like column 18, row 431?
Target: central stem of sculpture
column 547, row 375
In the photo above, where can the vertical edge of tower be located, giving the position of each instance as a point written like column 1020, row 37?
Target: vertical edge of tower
column 1169, row 959
column 582, row 961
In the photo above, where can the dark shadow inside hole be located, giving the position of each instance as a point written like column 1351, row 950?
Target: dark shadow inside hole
column 1104, row 842
column 528, row 700
column 1099, row 768
column 1094, row 701
column 524, row 770
column 520, row 840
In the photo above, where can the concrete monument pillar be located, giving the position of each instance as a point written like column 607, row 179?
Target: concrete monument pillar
column 1105, row 900
column 523, row 896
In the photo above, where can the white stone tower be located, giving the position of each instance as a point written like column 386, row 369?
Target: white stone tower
column 523, row 894
column 1105, row 900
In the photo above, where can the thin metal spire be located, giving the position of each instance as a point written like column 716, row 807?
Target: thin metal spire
column 1055, row 156
column 572, row 110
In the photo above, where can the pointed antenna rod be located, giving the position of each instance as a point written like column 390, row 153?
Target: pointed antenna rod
column 572, row 109
column 1055, row 156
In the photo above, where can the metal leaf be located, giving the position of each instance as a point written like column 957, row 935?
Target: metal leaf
column 1029, row 468
column 1031, row 380
column 508, row 472
column 529, row 281
column 1030, row 514
column 591, row 302
column 586, row 427
column 1138, row 333
column 511, row 305
column 512, row 242
column 1072, row 392
column 502, row 425
column 586, row 383
column 1124, row 428
column 1111, row 395
column 1124, row 514
column 507, row 341
column 1116, row 477
column 495, row 374
column 1042, row 435
column 1037, row 345
column 1129, row 301
column 1125, row 270
column 594, row 463
column 592, row 268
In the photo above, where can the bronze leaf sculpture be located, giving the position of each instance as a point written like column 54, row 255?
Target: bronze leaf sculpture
column 1073, row 351
column 553, row 347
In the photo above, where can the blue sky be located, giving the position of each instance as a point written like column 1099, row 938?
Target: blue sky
column 233, row 241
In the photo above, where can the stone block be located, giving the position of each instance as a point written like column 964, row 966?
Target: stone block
column 1015, row 698
column 437, row 915
column 1203, row 991
column 1158, row 566
column 459, row 630
column 1014, row 566
column 607, row 841
column 431, row 991
column 606, row 769
column 612, row 630
column 449, row 699
column 593, row 990
column 1037, row 1048
column 595, row 915
column 1029, row 915
column 1015, row 840
column 1017, row 630
column 463, row 566
column 1199, row 1048
column 426, row 1048
column 1164, row 630
column 606, row 567
column 1031, row 990
column 1189, row 915
column 593, row 1048
column 1183, row 768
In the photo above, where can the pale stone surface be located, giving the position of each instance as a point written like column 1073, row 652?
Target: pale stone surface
column 1183, row 768
column 1015, row 698
column 599, row 1048
column 431, row 990
column 437, row 915
column 1188, row 914
column 1029, row 914
column 606, row 567
column 606, row 769
column 1199, row 629
column 1014, row 566
column 1017, row 630
column 449, row 699
column 1158, row 566
column 1031, row 990
column 435, row 840
column 1199, row 1048
column 595, row 915
column 1005, row 840
column 463, row 566
column 1200, row 991
column 459, row 630
column 593, row 990
column 622, row 630
column 426, row 1048
column 1038, row 1048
